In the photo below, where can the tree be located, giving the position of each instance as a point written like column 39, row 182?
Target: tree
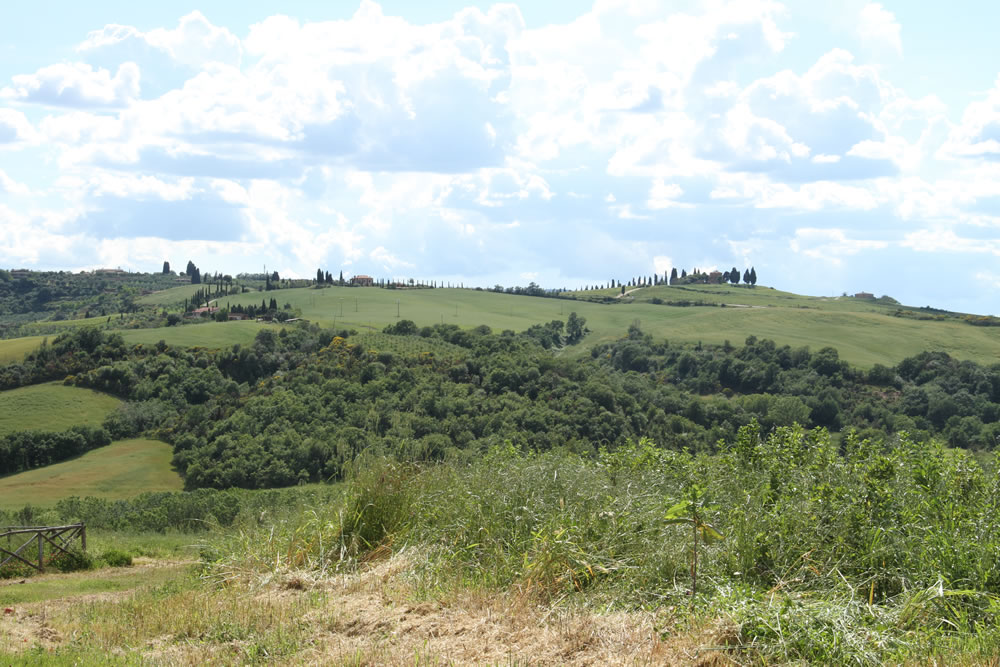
column 753, row 276
column 341, row 278
column 684, row 273
column 734, row 276
column 166, row 267
column 746, row 276
column 319, row 276
column 196, row 276
column 190, row 268
column 575, row 328
column 673, row 275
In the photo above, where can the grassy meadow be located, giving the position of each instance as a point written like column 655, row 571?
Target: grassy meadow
column 14, row 349
column 52, row 406
column 169, row 297
column 214, row 335
column 121, row 470
column 864, row 332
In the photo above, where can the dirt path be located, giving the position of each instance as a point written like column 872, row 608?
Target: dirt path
column 370, row 618
column 627, row 292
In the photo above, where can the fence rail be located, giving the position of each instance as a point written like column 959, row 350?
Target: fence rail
column 59, row 538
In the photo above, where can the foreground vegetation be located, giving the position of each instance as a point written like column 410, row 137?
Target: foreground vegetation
column 866, row 553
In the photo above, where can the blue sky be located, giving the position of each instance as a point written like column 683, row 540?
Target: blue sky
column 835, row 147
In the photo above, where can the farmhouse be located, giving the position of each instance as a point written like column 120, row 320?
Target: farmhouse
column 362, row 281
column 715, row 277
column 203, row 311
column 864, row 295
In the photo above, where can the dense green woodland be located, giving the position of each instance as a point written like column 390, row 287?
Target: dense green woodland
column 59, row 295
column 296, row 406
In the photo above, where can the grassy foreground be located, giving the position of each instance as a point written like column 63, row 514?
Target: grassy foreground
column 52, row 406
column 121, row 470
column 807, row 553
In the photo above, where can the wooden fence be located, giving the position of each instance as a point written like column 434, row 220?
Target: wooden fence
column 59, row 538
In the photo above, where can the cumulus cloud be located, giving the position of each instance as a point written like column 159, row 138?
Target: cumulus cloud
column 878, row 26
column 14, row 127
column 978, row 135
column 75, row 85
column 831, row 245
column 633, row 136
column 194, row 42
column 9, row 186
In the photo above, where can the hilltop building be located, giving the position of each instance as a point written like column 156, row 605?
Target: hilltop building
column 362, row 281
column 864, row 295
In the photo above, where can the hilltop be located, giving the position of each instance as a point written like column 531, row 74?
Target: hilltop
column 865, row 332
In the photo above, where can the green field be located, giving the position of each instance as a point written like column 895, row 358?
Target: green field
column 169, row 297
column 210, row 334
column 14, row 349
column 121, row 470
column 864, row 332
column 52, row 407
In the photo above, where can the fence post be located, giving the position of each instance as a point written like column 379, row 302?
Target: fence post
column 41, row 554
column 83, row 536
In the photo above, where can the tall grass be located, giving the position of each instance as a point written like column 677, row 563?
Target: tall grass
column 885, row 551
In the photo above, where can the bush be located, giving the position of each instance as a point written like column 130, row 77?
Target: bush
column 71, row 561
column 116, row 558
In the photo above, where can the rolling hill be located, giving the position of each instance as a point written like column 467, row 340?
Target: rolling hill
column 865, row 332
column 52, row 407
column 121, row 470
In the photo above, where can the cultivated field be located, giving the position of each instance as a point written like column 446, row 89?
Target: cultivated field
column 14, row 349
column 864, row 332
column 170, row 297
column 211, row 334
column 52, row 406
column 121, row 470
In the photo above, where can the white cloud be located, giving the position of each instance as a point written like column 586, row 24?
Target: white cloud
column 978, row 135
column 194, row 42
column 14, row 127
column 831, row 245
column 662, row 264
column 76, row 85
column 878, row 26
column 388, row 261
column 664, row 195
column 10, row 186
column 472, row 146
column 946, row 240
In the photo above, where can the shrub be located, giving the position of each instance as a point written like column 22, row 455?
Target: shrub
column 116, row 558
column 71, row 561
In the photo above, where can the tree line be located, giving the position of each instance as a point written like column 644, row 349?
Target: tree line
column 298, row 404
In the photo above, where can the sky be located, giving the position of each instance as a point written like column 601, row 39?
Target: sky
column 833, row 146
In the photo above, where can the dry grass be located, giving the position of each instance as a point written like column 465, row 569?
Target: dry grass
column 372, row 617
